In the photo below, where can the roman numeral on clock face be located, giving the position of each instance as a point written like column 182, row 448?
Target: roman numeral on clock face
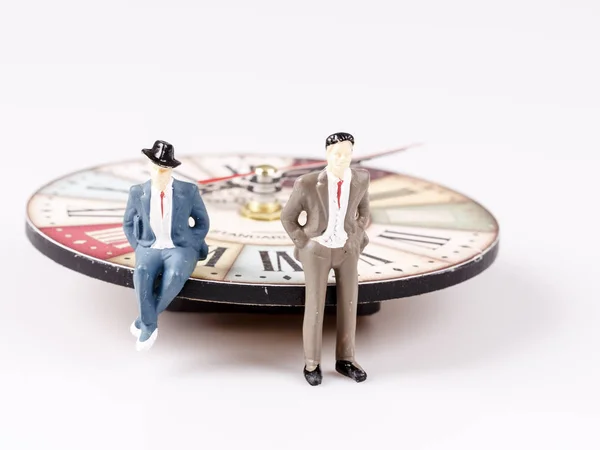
column 373, row 260
column 93, row 185
column 440, row 244
column 221, row 256
column 96, row 212
column 280, row 256
column 52, row 211
column 103, row 241
column 378, row 260
column 416, row 239
column 110, row 236
column 258, row 264
column 215, row 255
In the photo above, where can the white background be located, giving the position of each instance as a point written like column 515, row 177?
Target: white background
column 504, row 94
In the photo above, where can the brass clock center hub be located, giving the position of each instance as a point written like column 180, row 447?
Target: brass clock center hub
column 263, row 187
column 265, row 170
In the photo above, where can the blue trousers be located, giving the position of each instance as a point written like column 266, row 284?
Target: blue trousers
column 175, row 265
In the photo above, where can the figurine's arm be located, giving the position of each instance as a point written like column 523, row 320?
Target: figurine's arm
column 363, row 207
column 130, row 212
column 200, row 216
column 290, row 213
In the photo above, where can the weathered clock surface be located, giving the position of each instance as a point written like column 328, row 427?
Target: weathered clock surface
column 423, row 236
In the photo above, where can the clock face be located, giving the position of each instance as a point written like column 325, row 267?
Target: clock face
column 419, row 231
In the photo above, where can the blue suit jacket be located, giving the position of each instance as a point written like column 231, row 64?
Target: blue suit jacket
column 186, row 203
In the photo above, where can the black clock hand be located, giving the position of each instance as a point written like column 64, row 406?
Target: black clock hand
column 215, row 187
column 109, row 189
column 314, row 165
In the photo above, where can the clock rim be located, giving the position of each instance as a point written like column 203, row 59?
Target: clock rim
column 257, row 293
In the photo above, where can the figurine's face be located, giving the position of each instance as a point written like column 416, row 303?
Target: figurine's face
column 160, row 175
column 339, row 155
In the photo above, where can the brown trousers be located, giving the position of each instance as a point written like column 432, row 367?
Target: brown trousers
column 317, row 260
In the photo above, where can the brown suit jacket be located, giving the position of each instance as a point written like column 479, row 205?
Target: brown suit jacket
column 311, row 194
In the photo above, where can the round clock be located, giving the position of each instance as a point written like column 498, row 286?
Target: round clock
column 423, row 236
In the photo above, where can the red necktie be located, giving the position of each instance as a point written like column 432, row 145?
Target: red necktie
column 162, row 210
column 339, row 191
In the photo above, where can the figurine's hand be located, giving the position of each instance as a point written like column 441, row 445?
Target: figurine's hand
column 351, row 246
column 302, row 241
column 352, row 227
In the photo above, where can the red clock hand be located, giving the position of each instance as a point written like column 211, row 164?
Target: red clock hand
column 355, row 160
column 227, row 178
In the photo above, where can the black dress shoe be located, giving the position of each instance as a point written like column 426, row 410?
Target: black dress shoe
column 349, row 370
column 314, row 377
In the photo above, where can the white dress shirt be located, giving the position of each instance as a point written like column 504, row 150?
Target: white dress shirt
column 161, row 224
column 335, row 235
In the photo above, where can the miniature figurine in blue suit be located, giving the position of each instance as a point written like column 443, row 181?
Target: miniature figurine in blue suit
column 157, row 226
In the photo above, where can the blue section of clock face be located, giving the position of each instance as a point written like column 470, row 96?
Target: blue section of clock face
column 90, row 184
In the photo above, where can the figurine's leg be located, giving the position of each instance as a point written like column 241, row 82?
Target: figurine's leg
column 347, row 299
column 346, row 276
column 148, row 264
column 179, row 263
column 316, row 271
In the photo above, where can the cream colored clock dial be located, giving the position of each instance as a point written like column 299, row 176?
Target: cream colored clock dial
column 417, row 228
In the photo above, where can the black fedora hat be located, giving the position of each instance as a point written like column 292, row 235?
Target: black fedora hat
column 162, row 154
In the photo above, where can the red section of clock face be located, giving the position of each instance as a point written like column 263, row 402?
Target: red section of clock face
column 417, row 228
column 103, row 241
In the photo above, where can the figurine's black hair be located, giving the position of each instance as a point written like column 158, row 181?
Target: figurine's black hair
column 339, row 137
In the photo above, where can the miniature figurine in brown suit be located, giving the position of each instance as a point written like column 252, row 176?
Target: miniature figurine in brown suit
column 336, row 202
